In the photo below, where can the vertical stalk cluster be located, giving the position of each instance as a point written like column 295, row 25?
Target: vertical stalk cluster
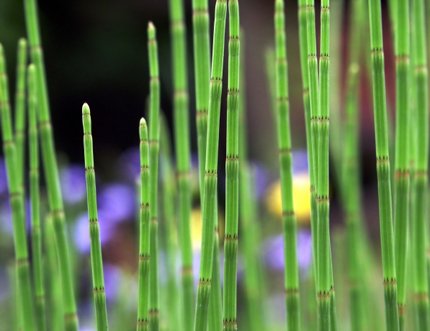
column 20, row 106
column 16, row 198
column 383, row 165
column 51, row 168
column 96, row 250
column 144, row 230
column 285, row 163
column 401, row 174
column 420, row 183
column 211, row 166
column 154, row 137
column 182, row 145
column 232, row 171
column 36, row 229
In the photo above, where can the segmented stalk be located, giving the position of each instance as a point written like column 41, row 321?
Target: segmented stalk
column 144, row 230
column 383, row 165
column 211, row 167
column 96, row 249
column 420, row 184
column 401, row 174
column 154, row 137
column 36, row 229
column 20, row 106
column 182, row 145
column 17, row 204
column 50, row 167
column 291, row 281
column 232, row 171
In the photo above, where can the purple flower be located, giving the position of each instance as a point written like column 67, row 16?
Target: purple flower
column 81, row 231
column 300, row 162
column 73, row 183
column 3, row 178
column 118, row 202
column 274, row 251
column 112, row 276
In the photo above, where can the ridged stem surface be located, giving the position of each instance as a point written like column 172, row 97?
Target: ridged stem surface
column 182, row 145
column 36, row 229
column 144, row 230
column 383, row 165
column 291, row 281
column 25, row 294
column 154, row 137
column 211, row 167
column 50, row 166
column 99, row 295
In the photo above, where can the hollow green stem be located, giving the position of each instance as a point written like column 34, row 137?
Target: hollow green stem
column 144, row 230
column 99, row 294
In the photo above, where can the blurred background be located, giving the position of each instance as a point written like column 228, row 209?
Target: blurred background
column 96, row 52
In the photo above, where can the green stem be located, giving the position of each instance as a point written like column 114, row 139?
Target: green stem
column 285, row 163
column 50, row 166
column 96, row 249
column 17, row 203
column 144, row 217
column 36, row 229
column 154, row 137
column 383, row 165
column 182, row 145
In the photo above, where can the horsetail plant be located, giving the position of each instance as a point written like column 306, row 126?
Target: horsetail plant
column 383, row 165
column 50, row 167
column 285, row 163
column 420, row 183
column 16, row 198
column 154, row 137
column 232, row 171
column 182, row 145
column 96, row 250
column 401, row 175
column 325, row 288
column 211, row 167
column 36, row 229
column 144, row 230
column 20, row 106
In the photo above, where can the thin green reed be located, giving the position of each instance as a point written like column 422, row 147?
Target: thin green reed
column 168, row 228
column 215, row 299
column 201, row 43
column 182, row 145
column 211, row 166
column 17, row 204
column 401, row 174
column 232, row 171
column 383, row 165
column 36, row 229
column 50, row 166
column 154, row 137
column 350, row 168
column 420, row 186
column 99, row 295
column 20, row 106
column 144, row 230
column 289, row 222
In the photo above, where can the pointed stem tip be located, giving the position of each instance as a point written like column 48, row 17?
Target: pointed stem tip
column 143, row 129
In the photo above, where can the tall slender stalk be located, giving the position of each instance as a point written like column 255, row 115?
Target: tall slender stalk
column 96, row 249
column 420, row 184
column 36, row 229
column 182, row 145
column 401, row 175
column 154, row 137
column 17, row 203
column 383, row 165
column 215, row 321
column 211, row 167
column 232, row 171
column 20, row 106
column 49, row 159
column 144, row 229
column 285, row 163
